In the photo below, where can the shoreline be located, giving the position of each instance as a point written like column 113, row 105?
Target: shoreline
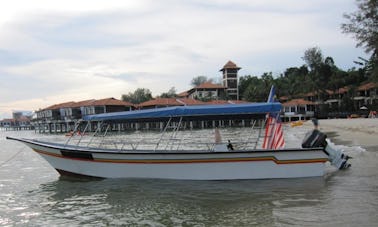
column 357, row 131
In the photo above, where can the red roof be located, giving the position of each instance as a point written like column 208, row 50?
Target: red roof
column 330, row 92
column 230, row 65
column 110, row 102
column 23, row 118
column 310, row 94
column 222, row 102
column 183, row 94
column 90, row 102
column 60, row 105
column 190, row 102
column 170, row 102
column 342, row 90
column 237, row 101
column 209, row 85
column 367, row 86
column 82, row 103
column 298, row 102
column 206, row 85
column 8, row 120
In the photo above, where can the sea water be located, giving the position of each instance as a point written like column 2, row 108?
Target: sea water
column 33, row 194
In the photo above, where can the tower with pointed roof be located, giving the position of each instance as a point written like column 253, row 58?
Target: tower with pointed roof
column 230, row 79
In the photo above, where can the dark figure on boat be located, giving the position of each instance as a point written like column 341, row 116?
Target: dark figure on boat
column 316, row 123
column 229, row 146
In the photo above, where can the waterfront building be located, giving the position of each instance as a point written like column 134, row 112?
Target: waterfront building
column 367, row 95
column 205, row 91
column 329, row 104
column 298, row 109
column 7, row 123
column 18, row 122
column 334, row 98
column 76, row 110
column 107, row 105
column 62, row 117
column 209, row 91
column 53, row 112
column 230, row 80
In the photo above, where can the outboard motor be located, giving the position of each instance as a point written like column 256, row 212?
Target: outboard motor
column 315, row 138
column 337, row 158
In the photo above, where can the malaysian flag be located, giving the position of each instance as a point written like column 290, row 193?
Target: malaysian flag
column 274, row 138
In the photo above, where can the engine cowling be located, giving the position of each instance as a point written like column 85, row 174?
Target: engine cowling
column 314, row 138
column 336, row 156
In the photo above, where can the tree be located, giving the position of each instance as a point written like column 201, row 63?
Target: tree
column 321, row 72
column 326, row 72
column 138, row 96
column 267, row 79
column 292, row 82
column 170, row 94
column 254, row 89
column 363, row 24
column 313, row 58
column 249, row 87
column 198, row 80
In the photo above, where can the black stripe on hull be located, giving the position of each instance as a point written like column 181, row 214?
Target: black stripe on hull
column 77, row 154
column 76, row 175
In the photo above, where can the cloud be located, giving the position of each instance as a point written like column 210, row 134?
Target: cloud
column 54, row 52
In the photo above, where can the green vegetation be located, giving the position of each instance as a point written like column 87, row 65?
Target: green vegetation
column 319, row 74
column 363, row 25
column 170, row 94
column 196, row 81
column 138, row 96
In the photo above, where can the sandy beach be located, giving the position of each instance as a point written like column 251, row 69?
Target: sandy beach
column 357, row 131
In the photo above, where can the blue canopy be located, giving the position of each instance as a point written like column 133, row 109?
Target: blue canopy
column 188, row 111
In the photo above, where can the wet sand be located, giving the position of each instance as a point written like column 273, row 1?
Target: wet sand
column 358, row 131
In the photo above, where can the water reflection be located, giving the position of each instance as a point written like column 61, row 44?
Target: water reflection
column 171, row 202
column 32, row 194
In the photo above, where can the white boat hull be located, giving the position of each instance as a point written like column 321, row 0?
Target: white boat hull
column 258, row 164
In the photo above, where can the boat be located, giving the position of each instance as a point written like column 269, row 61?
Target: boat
column 101, row 153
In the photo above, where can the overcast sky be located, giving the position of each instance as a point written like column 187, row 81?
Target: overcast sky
column 72, row 50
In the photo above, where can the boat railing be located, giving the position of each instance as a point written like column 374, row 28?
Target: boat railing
column 170, row 138
column 154, row 143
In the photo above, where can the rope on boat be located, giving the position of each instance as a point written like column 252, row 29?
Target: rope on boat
column 11, row 158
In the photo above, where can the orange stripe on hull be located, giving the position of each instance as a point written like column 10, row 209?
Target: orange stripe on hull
column 190, row 161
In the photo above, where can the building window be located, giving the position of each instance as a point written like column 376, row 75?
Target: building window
column 232, row 83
